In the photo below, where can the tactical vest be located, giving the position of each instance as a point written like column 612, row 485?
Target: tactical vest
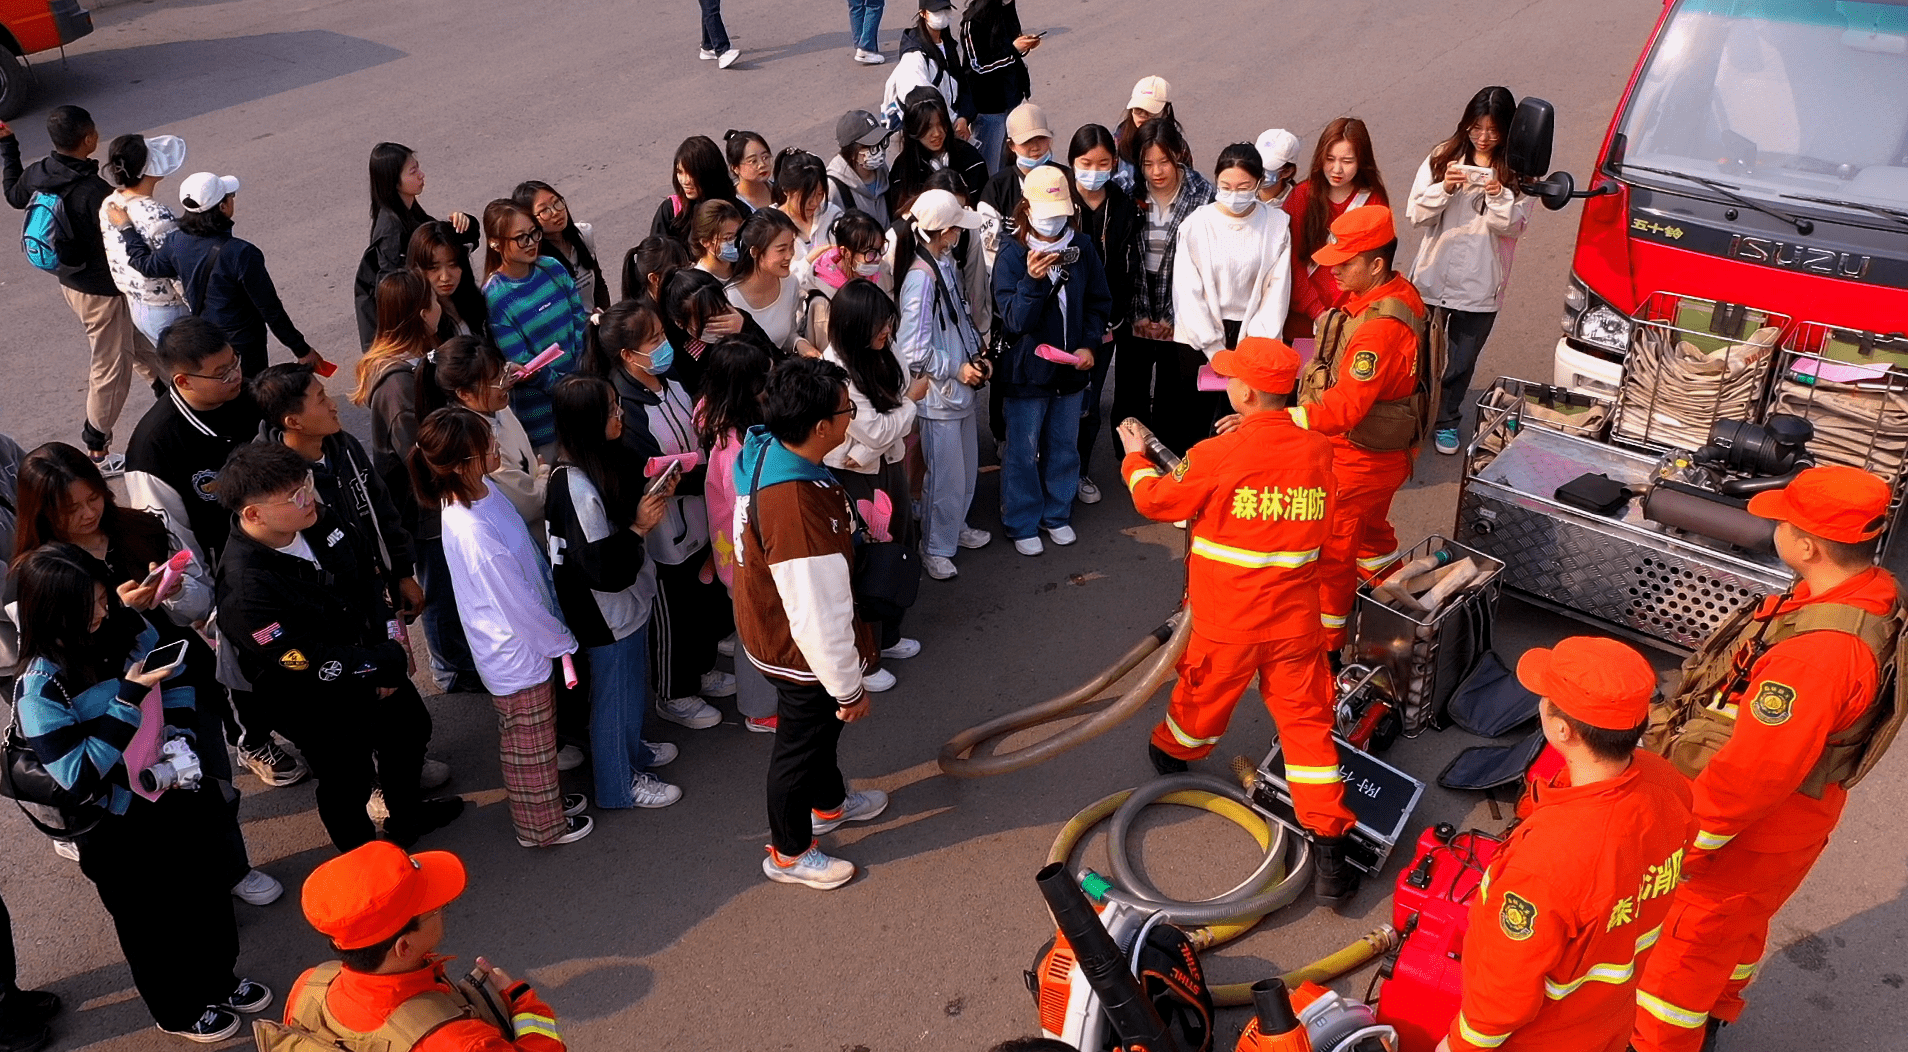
column 1390, row 426
column 310, row 1028
column 1698, row 721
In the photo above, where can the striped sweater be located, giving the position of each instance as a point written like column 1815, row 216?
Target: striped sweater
column 526, row 317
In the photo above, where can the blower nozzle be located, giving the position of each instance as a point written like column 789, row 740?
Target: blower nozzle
column 1135, row 1020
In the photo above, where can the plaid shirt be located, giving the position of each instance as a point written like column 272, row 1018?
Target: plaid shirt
column 1153, row 290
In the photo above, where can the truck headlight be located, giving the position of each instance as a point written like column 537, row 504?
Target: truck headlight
column 1602, row 326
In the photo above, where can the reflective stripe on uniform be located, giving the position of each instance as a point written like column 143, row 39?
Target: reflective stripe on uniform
column 1598, row 973
column 1185, row 739
column 1378, row 562
column 1297, row 413
column 1709, row 841
column 1332, row 620
column 1648, row 938
column 1312, row 775
column 1477, row 1037
column 527, row 1023
column 1143, row 473
column 1250, row 559
column 1669, row 1013
column 1744, row 971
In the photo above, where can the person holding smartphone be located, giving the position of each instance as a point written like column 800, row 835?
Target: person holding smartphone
column 997, row 50
column 1469, row 206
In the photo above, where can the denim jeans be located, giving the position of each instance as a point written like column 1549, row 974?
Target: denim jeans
column 152, row 319
column 450, row 651
column 1464, row 342
column 990, row 135
column 619, row 698
column 714, row 36
column 1040, row 466
column 864, row 23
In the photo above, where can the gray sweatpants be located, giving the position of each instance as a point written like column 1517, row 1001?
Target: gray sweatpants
column 951, row 449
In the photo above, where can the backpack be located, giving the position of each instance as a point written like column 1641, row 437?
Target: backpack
column 48, row 233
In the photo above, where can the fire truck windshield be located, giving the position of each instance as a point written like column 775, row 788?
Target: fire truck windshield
column 1797, row 100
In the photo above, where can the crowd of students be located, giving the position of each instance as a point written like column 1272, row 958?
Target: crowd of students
column 560, row 440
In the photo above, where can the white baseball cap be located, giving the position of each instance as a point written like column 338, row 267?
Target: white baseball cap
column 202, row 191
column 941, row 210
column 164, row 155
column 1277, row 148
column 1150, row 94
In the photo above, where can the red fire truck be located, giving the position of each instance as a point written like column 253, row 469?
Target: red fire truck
column 28, row 27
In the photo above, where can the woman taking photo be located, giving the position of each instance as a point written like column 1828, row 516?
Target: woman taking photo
column 1156, row 379
column 699, row 174
column 692, row 614
column 439, row 257
column 928, row 146
column 1344, row 175
column 1233, row 274
column 762, row 286
column 1110, row 220
column 712, row 238
column 1050, row 294
column 408, row 316
column 509, row 609
column 751, row 164
column 605, row 585
column 396, row 181
column 136, row 165
column 77, row 704
column 532, row 304
column 997, row 70
column 569, row 242
column 870, row 464
column 1470, row 233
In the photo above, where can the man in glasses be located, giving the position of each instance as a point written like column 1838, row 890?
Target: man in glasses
column 303, row 606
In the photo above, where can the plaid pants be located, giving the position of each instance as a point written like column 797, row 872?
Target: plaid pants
column 527, row 746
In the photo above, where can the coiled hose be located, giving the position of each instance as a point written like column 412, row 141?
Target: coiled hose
column 1155, row 656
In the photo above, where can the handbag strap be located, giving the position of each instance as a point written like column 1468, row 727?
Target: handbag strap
column 755, row 483
column 202, row 278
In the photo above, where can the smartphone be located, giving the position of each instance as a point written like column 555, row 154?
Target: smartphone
column 1040, row 34
column 660, row 483
column 166, row 656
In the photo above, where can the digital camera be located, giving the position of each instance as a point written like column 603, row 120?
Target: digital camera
column 178, row 767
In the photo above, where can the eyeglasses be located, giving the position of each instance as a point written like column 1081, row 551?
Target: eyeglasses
column 304, row 497
column 757, row 160
column 527, row 239
column 551, row 210
column 224, row 376
column 851, row 410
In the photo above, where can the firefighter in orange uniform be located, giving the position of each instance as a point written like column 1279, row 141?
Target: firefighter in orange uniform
column 1794, row 693
column 1363, row 390
column 1572, row 903
column 1259, row 495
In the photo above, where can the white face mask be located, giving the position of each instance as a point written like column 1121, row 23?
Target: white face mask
column 867, row 270
column 936, row 19
column 1238, row 202
column 1049, row 227
column 1091, row 181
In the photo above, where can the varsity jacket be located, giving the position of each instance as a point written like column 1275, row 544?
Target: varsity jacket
column 349, row 484
column 794, row 593
column 173, row 462
column 307, row 631
column 605, row 583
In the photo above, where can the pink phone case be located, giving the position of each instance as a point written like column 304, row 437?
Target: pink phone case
column 1055, row 354
column 1210, row 380
column 550, row 354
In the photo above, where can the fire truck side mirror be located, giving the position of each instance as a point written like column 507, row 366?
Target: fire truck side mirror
column 1527, row 144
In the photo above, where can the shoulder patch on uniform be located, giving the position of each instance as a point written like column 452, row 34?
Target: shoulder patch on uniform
column 206, row 484
column 294, row 660
column 1518, row 916
column 1364, row 365
column 1184, row 465
column 1774, row 703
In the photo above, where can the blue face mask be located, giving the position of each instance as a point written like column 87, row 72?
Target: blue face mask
column 661, row 357
column 1028, row 164
column 1091, row 181
column 728, row 252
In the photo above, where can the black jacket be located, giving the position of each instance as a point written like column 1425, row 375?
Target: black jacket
column 390, row 242
column 81, row 191
column 1114, row 228
column 235, row 292
column 913, row 167
column 581, row 567
column 350, row 486
column 946, row 58
column 308, row 632
column 1004, row 193
column 996, row 71
column 173, row 462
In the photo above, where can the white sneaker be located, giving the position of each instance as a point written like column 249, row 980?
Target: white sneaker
column 258, row 888
column 1029, row 546
column 869, row 58
column 1181, row 523
column 973, row 538
column 1089, row 493
column 66, row 849
column 860, row 806
column 876, row 682
column 660, row 753
column 1062, row 535
column 651, row 791
column 706, row 55
column 813, row 869
column 903, row 650
column 727, row 647
column 728, row 58
column 717, row 684
column 939, row 567
column 434, row 774
column 569, row 758
column 691, row 712
column 580, row 827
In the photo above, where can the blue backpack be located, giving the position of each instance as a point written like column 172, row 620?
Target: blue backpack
column 47, row 232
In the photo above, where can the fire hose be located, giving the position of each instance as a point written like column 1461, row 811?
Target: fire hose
column 1229, row 915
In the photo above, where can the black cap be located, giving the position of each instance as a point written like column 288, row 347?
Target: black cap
column 859, row 126
column 937, row 5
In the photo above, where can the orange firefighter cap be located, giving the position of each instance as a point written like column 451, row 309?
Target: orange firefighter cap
column 1597, row 680
column 1840, row 503
column 1264, row 364
column 1358, row 230
column 369, row 893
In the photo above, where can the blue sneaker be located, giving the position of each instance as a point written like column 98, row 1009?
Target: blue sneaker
column 1447, row 440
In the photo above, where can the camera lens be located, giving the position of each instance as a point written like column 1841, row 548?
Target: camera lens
column 158, row 776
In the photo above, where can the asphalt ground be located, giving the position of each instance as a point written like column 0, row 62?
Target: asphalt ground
column 659, row 932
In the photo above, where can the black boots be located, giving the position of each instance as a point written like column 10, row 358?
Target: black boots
column 23, row 1018
column 1334, row 878
column 1165, row 763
